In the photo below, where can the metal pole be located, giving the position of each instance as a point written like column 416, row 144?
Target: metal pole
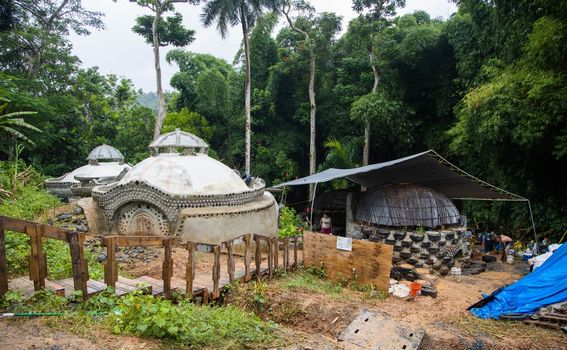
column 532, row 218
column 312, row 203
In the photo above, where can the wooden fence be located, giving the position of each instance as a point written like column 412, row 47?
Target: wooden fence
column 37, row 259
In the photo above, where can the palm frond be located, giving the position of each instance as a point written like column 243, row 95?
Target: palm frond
column 17, row 134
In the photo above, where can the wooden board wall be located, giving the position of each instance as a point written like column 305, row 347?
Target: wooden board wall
column 371, row 261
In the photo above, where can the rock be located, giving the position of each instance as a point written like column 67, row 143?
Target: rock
column 398, row 247
column 82, row 228
column 399, row 290
column 444, row 270
column 399, row 235
column 417, row 236
column 77, row 211
column 433, row 235
column 407, row 242
column 64, row 216
column 415, row 248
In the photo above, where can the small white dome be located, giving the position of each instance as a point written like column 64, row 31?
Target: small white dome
column 105, row 152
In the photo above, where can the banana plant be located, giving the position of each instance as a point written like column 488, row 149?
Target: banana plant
column 10, row 123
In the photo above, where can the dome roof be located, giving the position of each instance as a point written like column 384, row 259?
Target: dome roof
column 182, row 175
column 178, row 140
column 104, row 170
column 406, row 205
column 105, row 152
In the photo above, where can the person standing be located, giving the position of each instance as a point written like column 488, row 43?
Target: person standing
column 326, row 225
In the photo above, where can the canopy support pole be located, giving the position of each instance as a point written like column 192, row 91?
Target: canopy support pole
column 532, row 218
column 312, row 204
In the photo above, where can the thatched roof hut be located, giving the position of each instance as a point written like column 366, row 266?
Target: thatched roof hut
column 408, row 205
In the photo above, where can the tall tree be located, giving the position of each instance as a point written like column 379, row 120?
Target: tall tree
column 39, row 28
column 286, row 7
column 376, row 13
column 229, row 13
column 163, row 32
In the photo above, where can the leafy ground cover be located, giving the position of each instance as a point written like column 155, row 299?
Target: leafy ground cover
column 176, row 323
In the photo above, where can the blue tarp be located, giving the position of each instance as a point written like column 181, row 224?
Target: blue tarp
column 545, row 286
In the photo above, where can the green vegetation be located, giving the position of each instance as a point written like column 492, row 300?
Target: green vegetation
column 485, row 88
column 144, row 315
column 28, row 202
column 188, row 324
column 289, row 225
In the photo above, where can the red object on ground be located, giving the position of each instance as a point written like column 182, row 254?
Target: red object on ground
column 415, row 287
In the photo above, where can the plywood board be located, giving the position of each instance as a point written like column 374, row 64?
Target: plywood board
column 368, row 262
column 370, row 330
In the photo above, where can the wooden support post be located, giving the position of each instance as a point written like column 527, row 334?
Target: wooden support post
column 216, row 272
column 3, row 267
column 270, row 256
column 247, row 257
column 36, row 258
column 205, row 296
column 167, row 269
column 110, row 267
column 78, row 262
column 258, row 258
column 42, row 258
column 276, row 253
column 230, row 260
column 190, row 269
column 295, row 252
column 286, row 254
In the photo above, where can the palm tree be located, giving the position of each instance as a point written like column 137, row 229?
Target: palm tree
column 11, row 122
column 230, row 13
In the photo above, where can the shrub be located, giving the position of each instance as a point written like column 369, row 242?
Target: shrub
column 189, row 324
column 288, row 223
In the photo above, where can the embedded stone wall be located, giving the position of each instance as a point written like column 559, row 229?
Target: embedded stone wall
column 437, row 250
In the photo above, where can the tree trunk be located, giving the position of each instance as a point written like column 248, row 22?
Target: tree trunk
column 247, row 91
column 312, row 101
column 161, row 98
column 313, row 108
column 366, row 151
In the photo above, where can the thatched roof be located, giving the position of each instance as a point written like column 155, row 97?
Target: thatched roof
column 406, row 205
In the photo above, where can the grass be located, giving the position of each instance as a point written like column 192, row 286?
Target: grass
column 475, row 327
column 181, row 324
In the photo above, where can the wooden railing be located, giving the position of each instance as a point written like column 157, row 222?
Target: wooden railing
column 111, row 265
column 37, row 259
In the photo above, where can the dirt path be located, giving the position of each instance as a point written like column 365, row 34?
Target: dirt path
column 35, row 334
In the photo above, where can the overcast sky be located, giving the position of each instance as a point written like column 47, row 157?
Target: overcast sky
column 118, row 50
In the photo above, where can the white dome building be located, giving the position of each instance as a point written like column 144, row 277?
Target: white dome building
column 182, row 191
column 105, row 165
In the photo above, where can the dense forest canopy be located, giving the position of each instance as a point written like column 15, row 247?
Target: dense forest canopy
column 486, row 87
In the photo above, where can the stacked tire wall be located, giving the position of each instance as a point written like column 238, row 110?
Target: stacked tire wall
column 436, row 250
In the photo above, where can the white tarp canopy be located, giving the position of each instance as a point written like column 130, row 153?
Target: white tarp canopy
column 428, row 169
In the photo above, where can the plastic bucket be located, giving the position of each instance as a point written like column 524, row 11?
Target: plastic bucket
column 456, row 271
column 415, row 288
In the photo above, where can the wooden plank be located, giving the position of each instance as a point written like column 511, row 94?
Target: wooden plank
column 371, row 261
column 216, row 272
column 146, row 287
column 247, row 257
column 35, row 258
column 258, row 256
column 286, row 254
column 167, row 270
column 295, row 239
column 230, row 260
column 190, row 268
column 110, row 267
column 78, row 262
column 276, row 252
column 157, row 285
column 18, row 225
column 3, row 266
column 270, row 256
column 140, row 241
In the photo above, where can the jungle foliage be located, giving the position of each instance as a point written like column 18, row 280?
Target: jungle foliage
column 486, row 88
